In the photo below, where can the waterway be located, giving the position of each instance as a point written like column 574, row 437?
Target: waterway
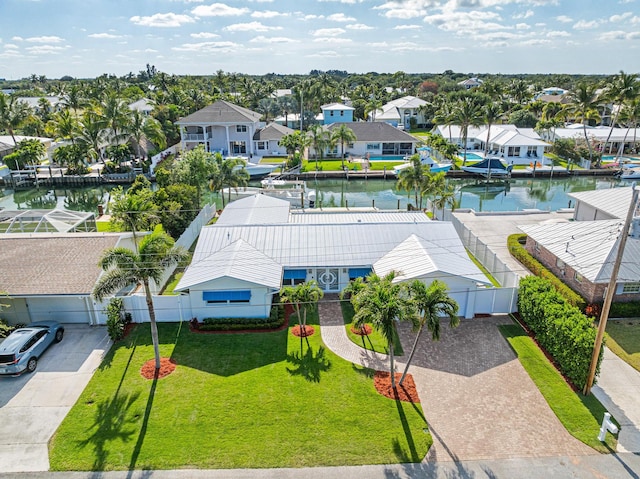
column 511, row 195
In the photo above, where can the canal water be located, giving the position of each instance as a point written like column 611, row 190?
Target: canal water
column 511, row 195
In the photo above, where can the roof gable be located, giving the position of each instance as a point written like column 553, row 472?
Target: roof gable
column 375, row 131
column 273, row 131
column 612, row 201
column 221, row 112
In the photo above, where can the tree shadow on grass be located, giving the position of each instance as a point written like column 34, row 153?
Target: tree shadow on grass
column 411, row 453
column 366, row 372
column 309, row 365
column 143, row 429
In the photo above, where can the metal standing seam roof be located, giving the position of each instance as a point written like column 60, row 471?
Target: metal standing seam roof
column 613, row 201
column 358, row 217
column 336, row 106
column 255, row 209
column 589, row 247
column 416, row 257
column 339, row 245
column 52, row 264
column 221, row 112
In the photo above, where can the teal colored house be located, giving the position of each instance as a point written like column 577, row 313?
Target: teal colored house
column 337, row 113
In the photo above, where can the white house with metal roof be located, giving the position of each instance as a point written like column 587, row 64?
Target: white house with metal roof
column 399, row 112
column 605, row 204
column 258, row 245
column 336, row 113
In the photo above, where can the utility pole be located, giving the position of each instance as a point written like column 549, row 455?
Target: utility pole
column 611, row 289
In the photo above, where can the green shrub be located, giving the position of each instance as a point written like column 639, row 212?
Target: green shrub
column 625, row 310
column 274, row 321
column 515, row 243
column 5, row 329
column 115, row 319
column 560, row 328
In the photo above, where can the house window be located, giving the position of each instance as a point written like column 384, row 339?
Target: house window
column 226, row 297
column 349, row 145
column 262, row 145
column 536, row 246
column 359, row 272
column 578, row 277
column 513, row 151
column 238, row 147
column 241, row 128
column 373, row 146
column 331, row 113
column 341, row 112
column 293, row 277
column 559, row 263
column 630, row 288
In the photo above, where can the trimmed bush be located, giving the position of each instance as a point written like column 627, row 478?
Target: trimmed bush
column 275, row 320
column 625, row 310
column 5, row 329
column 559, row 327
column 515, row 243
column 115, row 319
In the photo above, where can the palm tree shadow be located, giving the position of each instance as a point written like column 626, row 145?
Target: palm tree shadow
column 410, row 454
column 367, row 372
column 309, row 365
column 143, row 427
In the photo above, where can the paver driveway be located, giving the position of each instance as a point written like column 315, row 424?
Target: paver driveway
column 478, row 400
column 32, row 406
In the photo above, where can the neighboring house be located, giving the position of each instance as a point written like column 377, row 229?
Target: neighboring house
column 7, row 145
column 399, row 112
column 375, row 139
column 34, row 102
column 336, row 113
column 266, row 140
column 51, row 276
column 470, row 83
column 582, row 254
column 604, row 204
column 291, row 120
column 598, row 136
column 221, row 127
column 144, row 106
column 519, row 146
column 552, row 91
column 258, row 245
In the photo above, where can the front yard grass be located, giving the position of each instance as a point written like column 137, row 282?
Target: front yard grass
column 374, row 341
column 623, row 338
column 580, row 415
column 234, row 401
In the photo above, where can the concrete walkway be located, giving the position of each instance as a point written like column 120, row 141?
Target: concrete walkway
column 478, row 400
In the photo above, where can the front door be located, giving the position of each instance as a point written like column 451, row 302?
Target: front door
column 328, row 279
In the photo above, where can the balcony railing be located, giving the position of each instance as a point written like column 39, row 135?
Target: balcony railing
column 193, row 137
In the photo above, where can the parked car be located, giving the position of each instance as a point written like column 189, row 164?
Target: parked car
column 20, row 351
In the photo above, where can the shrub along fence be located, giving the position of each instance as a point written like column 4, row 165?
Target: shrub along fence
column 560, row 328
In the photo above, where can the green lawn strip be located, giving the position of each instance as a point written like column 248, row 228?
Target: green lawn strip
column 173, row 282
column 623, row 338
column 381, row 165
column 580, row 415
column 374, row 341
column 234, row 401
column 484, row 270
column 105, row 227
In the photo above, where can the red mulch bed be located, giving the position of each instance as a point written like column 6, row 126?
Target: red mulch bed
column 407, row 392
column 364, row 331
column 303, row 333
column 128, row 327
column 148, row 370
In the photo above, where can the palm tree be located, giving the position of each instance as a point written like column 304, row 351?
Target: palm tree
column 431, row 302
column 411, row 178
column 233, row 174
column 13, row 113
column 622, row 89
column 124, row 267
column 142, row 127
column 584, row 106
column 445, row 197
column 382, row 303
column 491, row 113
column 64, row 126
column 466, row 113
column 73, row 99
column 92, row 132
column 134, row 210
column 319, row 140
column 302, row 296
column 116, row 115
column 343, row 134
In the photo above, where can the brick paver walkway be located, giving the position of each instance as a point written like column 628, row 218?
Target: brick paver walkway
column 478, row 400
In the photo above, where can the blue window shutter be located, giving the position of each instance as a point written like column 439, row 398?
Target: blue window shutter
column 359, row 272
column 295, row 274
column 238, row 295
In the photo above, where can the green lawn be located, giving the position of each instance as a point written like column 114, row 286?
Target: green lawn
column 234, row 401
column 623, row 338
column 483, row 269
column 105, row 227
column 374, row 341
column 336, row 165
column 580, row 415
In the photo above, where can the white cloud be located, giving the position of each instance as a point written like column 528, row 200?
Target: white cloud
column 585, row 25
column 558, row 34
column 11, row 46
column 43, row 39
column 407, row 27
column 564, row 19
column 204, row 35
column 263, row 39
column 325, row 32
column 359, row 26
column 527, row 14
column 403, row 9
column 103, row 35
column 464, row 22
column 218, row 10
column 340, row 17
column 46, row 49
column 619, row 18
column 205, row 47
column 523, row 26
column 268, row 14
column 324, row 54
column 332, row 40
column 619, row 35
column 348, row 2
column 249, row 27
column 162, row 20
column 535, row 42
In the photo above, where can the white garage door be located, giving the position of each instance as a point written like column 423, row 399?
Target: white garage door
column 64, row 310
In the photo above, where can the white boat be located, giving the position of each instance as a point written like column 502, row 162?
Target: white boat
column 256, row 170
column 491, row 167
column 630, row 174
column 425, row 159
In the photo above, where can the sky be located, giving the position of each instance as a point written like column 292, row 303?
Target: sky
column 86, row 38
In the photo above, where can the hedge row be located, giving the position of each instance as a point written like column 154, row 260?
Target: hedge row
column 516, row 248
column 625, row 310
column 560, row 328
column 275, row 320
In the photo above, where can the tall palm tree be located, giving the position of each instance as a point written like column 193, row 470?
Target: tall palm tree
column 584, row 106
column 411, row 178
column 319, row 140
column 134, row 210
column 622, row 89
column 92, row 132
column 116, row 115
column 124, row 267
column 303, row 297
column 431, row 302
column 64, row 126
column 13, row 113
column 343, row 134
column 74, row 99
column 382, row 303
column 233, row 174
column 142, row 127
column 445, row 197
column 491, row 113
column 466, row 113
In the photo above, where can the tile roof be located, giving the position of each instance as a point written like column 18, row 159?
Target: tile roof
column 51, row 264
column 376, row 131
column 221, row 112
